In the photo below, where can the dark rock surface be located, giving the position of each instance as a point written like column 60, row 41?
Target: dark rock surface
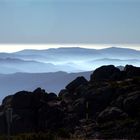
column 76, row 83
column 105, row 73
column 132, row 70
column 106, row 107
column 111, row 114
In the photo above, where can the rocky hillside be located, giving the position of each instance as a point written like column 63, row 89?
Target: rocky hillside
column 106, row 106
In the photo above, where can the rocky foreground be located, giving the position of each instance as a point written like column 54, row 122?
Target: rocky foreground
column 107, row 106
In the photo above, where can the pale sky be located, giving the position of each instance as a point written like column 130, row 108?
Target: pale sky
column 69, row 21
column 17, row 47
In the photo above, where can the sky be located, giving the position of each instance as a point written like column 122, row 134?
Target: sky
column 81, row 22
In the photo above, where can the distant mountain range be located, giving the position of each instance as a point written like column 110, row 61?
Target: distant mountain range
column 51, row 82
column 28, row 69
column 72, row 59
column 116, row 62
column 112, row 52
column 14, row 65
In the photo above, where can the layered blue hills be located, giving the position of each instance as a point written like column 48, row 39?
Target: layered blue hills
column 52, row 69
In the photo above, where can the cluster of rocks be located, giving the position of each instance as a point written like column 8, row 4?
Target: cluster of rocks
column 106, row 106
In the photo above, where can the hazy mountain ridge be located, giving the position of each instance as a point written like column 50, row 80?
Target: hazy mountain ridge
column 52, row 82
column 73, row 59
column 13, row 65
column 84, row 51
column 53, row 60
column 116, row 62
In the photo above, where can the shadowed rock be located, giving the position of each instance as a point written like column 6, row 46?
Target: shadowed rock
column 132, row 71
column 76, row 83
column 105, row 73
column 106, row 107
column 131, row 103
column 111, row 114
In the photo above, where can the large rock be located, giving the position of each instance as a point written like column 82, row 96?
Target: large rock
column 131, row 103
column 111, row 114
column 39, row 91
column 76, row 83
column 62, row 93
column 3, row 124
column 25, row 109
column 23, row 121
column 106, row 73
column 51, row 96
column 50, row 117
column 65, row 96
column 79, row 107
column 98, row 99
column 132, row 71
column 21, row 100
column 7, row 101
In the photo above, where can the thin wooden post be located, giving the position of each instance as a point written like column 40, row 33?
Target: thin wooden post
column 87, row 108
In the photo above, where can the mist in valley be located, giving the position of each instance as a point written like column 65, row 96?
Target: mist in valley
column 53, row 69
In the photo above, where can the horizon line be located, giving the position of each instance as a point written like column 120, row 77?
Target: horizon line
column 11, row 48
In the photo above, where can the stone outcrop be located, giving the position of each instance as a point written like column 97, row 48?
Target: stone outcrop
column 76, row 83
column 107, row 106
column 105, row 73
column 132, row 71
